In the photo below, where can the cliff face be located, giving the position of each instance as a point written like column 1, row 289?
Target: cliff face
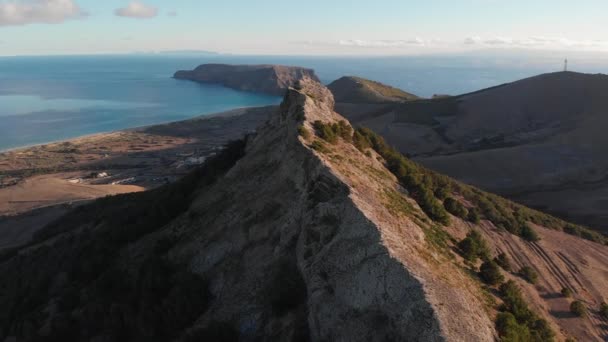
column 279, row 237
column 267, row 79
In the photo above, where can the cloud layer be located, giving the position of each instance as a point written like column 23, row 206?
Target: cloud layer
column 137, row 9
column 474, row 42
column 536, row 42
column 13, row 13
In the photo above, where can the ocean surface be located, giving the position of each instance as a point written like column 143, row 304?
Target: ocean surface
column 44, row 99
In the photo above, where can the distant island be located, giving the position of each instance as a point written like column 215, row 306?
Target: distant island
column 265, row 79
column 351, row 89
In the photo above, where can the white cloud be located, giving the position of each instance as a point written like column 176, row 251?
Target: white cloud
column 472, row 40
column 137, row 9
column 388, row 43
column 25, row 12
column 538, row 42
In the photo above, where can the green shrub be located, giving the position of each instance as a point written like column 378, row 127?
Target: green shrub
column 503, row 261
column 473, row 216
column 578, row 308
column 455, row 208
column 304, row 133
column 490, row 273
column 604, row 310
column 566, row 292
column 528, row 233
column 331, row 132
column 509, row 330
column 360, row 141
column 572, row 230
column 529, row 274
column 421, row 183
column 517, row 322
column 325, row 132
column 541, row 331
column 473, row 247
column 442, row 193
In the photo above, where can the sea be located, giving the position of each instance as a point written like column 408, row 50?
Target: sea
column 45, row 99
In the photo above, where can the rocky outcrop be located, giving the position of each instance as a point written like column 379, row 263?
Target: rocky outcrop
column 266, row 79
column 350, row 89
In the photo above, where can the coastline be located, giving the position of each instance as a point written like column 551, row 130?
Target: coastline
column 225, row 114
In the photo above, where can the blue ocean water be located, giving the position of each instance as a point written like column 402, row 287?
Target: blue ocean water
column 46, row 99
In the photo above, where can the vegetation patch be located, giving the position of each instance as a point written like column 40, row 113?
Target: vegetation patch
column 578, row 309
column 503, row 261
column 330, row 132
column 303, row 132
column 455, row 208
column 428, row 187
column 474, row 247
column 516, row 322
column 490, row 273
column 604, row 310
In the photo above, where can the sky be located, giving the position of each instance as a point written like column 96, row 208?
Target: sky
column 310, row 27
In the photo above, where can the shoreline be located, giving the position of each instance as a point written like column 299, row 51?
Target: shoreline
column 225, row 114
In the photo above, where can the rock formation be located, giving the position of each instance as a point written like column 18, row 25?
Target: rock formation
column 266, row 79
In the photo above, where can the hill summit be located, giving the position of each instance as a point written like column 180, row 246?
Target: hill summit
column 351, row 89
column 307, row 230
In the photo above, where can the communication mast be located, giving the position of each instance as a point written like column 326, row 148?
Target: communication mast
column 565, row 65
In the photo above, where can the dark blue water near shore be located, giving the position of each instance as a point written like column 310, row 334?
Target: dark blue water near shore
column 45, row 99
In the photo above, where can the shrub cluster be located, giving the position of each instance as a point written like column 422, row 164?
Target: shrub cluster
column 578, row 308
column 303, row 131
column 455, row 208
column 490, row 273
column 604, row 310
column 421, row 183
column 566, row 292
column 331, row 132
column 473, row 247
column 584, row 233
column 431, row 186
column 503, row 261
column 516, row 322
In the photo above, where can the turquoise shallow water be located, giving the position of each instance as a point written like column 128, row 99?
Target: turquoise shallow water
column 45, row 99
column 54, row 98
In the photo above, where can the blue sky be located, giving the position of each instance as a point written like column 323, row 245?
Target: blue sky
column 301, row 27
